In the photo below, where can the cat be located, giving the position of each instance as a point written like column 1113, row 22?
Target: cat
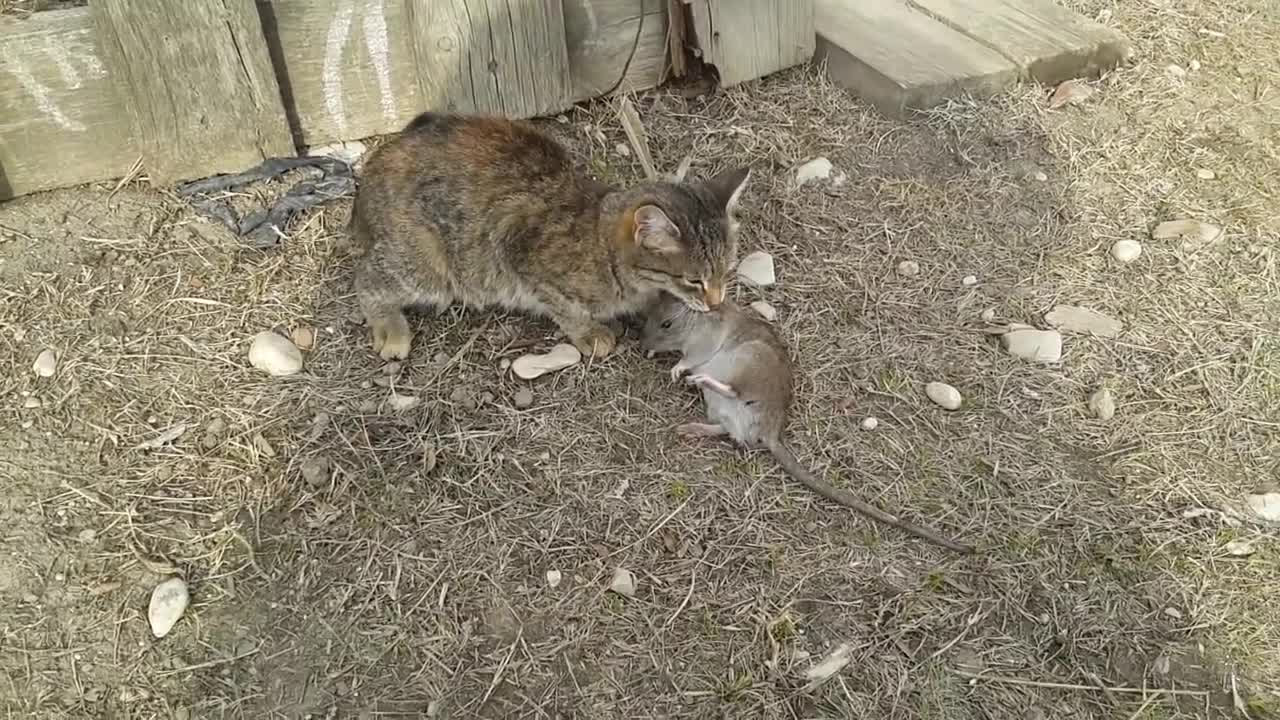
column 490, row 211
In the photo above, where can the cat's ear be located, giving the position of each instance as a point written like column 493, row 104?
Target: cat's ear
column 654, row 231
column 727, row 187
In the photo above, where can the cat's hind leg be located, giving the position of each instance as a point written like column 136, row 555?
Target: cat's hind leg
column 383, row 298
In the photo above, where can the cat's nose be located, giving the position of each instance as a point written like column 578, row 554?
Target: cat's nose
column 713, row 296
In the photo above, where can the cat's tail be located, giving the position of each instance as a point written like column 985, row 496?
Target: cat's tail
column 797, row 470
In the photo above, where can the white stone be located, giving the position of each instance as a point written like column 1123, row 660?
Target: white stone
column 1073, row 318
column 969, row 280
column 403, row 403
column 553, row 578
column 31, row 403
column 1102, row 403
column 622, row 149
column 523, row 398
column 624, row 582
column 908, row 268
column 46, row 364
column 988, row 315
column 870, row 423
column 1193, row 233
column 351, row 152
column 1206, row 174
column 765, row 310
column 1175, row 71
column 1239, row 548
column 1126, row 251
column 1040, row 176
column 757, row 269
column 944, row 396
column 1032, row 345
column 168, row 601
column 535, row 365
column 834, row 662
column 1266, row 506
column 274, row 354
column 816, row 169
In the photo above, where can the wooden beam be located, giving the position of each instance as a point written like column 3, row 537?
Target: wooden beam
column 505, row 57
column 1048, row 42
column 60, row 121
column 747, row 39
column 196, row 83
column 599, row 35
column 899, row 58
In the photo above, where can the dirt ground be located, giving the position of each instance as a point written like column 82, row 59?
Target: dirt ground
column 404, row 574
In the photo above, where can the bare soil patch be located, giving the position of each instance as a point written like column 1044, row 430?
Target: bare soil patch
column 404, row 574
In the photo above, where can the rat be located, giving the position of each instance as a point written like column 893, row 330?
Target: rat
column 745, row 374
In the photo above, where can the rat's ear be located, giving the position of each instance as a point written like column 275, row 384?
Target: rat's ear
column 654, row 231
column 727, row 187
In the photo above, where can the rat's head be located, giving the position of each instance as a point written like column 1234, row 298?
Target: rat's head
column 681, row 238
column 668, row 323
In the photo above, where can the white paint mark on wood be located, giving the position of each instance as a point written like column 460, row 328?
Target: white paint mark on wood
column 71, row 52
column 331, row 74
column 375, row 38
column 40, row 93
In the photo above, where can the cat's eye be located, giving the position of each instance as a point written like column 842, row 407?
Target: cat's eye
column 695, row 282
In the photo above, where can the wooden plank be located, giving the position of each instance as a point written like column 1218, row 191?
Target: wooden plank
column 60, row 121
column 599, row 35
column 346, row 66
column 898, row 58
column 747, row 39
column 196, row 83
column 505, row 57
column 1048, row 42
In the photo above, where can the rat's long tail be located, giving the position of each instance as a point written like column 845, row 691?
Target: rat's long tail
column 788, row 461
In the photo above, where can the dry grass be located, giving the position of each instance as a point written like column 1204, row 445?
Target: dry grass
column 395, row 586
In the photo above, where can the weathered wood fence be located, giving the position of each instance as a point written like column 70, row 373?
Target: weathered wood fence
column 192, row 89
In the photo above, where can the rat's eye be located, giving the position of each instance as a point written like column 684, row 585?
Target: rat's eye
column 666, row 325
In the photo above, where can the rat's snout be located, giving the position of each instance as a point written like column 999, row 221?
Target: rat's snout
column 713, row 295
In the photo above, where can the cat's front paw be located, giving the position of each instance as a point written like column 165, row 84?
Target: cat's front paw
column 597, row 342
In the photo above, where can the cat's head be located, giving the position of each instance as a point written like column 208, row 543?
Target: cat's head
column 684, row 237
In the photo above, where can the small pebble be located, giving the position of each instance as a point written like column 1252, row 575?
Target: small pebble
column 403, row 403
column 623, row 583
column 908, row 268
column 315, row 470
column 553, row 578
column 523, row 398
column 816, row 169
column 1206, row 174
column 46, row 364
column 87, row 535
column 870, row 423
column 274, row 354
column 1102, row 403
column 31, row 403
column 765, row 310
column 528, row 367
column 1040, row 176
column 168, row 602
column 757, row 269
column 943, row 395
column 504, row 364
column 1266, row 505
column 1126, row 251
column 622, row 149
column 304, row 337
column 988, row 315
column 1032, row 345
column 969, row 280
column 1175, row 71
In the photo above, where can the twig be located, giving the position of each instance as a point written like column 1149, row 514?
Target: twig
column 1071, row 686
column 210, row 663
column 634, row 129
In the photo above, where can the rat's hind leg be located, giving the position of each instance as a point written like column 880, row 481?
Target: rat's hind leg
column 701, row 430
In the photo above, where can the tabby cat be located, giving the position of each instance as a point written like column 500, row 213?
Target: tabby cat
column 489, row 211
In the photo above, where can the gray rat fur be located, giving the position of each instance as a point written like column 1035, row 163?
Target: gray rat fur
column 745, row 374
